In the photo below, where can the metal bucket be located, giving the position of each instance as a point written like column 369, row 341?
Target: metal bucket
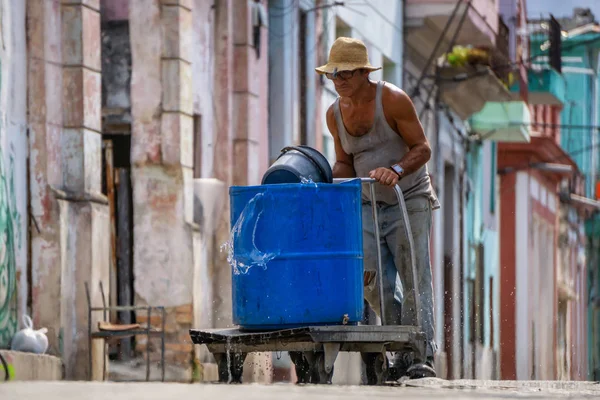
column 296, row 163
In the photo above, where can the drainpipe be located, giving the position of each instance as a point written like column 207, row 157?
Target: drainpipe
column 595, row 120
column 439, row 165
column 595, row 370
column 403, row 63
column 439, row 262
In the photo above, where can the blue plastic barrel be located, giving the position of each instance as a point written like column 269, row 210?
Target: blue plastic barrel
column 297, row 257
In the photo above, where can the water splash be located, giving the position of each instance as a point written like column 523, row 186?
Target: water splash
column 308, row 181
column 248, row 219
column 228, row 352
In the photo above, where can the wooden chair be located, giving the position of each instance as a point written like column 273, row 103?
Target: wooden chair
column 107, row 330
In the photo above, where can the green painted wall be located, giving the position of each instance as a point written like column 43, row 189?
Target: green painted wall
column 8, row 280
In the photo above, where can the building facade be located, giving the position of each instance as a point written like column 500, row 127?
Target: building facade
column 471, row 108
column 497, row 132
column 544, row 187
column 529, row 207
column 580, row 137
column 123, row 124
column 193, row 115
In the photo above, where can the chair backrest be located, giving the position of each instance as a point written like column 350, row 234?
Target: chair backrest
column 89, row 298
column 102, row 293
column 87, row 294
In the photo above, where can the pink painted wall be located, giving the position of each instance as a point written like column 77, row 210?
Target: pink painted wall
column 114, row 10
column 263, row 125
column 484, row 13
column 488, row 10
column 203, row 57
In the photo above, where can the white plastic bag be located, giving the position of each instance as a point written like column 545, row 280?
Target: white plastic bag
column 29, row 340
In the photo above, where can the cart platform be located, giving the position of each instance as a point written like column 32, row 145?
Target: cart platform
column 313, row 349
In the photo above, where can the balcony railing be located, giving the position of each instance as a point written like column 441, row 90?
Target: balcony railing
column 464, row 59
column 468, row 81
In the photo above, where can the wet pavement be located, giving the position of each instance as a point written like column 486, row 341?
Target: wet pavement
column 417, row 389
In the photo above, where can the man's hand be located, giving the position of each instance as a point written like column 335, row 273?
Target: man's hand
column 385, row 176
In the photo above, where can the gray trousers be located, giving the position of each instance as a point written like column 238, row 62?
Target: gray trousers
column 395, row 256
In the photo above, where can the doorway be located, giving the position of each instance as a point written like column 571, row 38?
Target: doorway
column 116, row 185
column 450, row 300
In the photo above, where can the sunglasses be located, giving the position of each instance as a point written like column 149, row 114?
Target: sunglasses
column 343, row 75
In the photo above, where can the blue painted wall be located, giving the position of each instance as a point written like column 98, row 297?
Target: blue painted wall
column 580, row 101
column 481, row 228
column 579, row 110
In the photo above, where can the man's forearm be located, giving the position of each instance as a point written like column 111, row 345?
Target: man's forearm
column 342, row 170
column 415, row 158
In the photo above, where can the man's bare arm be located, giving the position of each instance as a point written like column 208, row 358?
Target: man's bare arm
column 344, row 165
column 401, row 108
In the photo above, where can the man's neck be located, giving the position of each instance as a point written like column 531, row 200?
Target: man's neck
column 364, row 94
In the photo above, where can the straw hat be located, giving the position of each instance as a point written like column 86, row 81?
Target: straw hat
column 347, row 54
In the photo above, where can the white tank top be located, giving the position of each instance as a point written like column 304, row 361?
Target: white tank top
column 383, row 147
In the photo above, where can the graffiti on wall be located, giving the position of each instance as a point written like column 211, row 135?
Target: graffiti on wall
column 9, row 218
column 12, row 133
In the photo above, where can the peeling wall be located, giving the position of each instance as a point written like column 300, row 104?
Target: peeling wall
column 13, row 169
column 69, row 233
column 84, row 258
column 162, row 239
column 162, row 261
column 162, row 177
column 194, row 77
column 146, row 89
column 44, row 93
column 114, row 10
column 203, row 66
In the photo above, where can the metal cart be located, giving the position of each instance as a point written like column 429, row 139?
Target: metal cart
column 314, row 349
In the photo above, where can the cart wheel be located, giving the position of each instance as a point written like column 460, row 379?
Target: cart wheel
column 231, row 366
column 302, row 366
column 318, row 373
column 376, row 371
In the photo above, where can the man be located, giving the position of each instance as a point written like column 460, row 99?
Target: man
column 377, row 134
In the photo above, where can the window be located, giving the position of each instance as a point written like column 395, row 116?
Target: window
column 390, row 72
column 341, row 29
column 302, row 56
column 472, row 311
column 491, row 300
column 493, row 168
column 197, row 145
column 479, row 295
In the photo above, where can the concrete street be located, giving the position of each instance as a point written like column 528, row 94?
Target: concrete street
column 420, row 389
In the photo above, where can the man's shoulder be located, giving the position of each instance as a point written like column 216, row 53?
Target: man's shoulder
column 330, row 119
column 396, row 103
column 393, row 94
column 329, row 112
